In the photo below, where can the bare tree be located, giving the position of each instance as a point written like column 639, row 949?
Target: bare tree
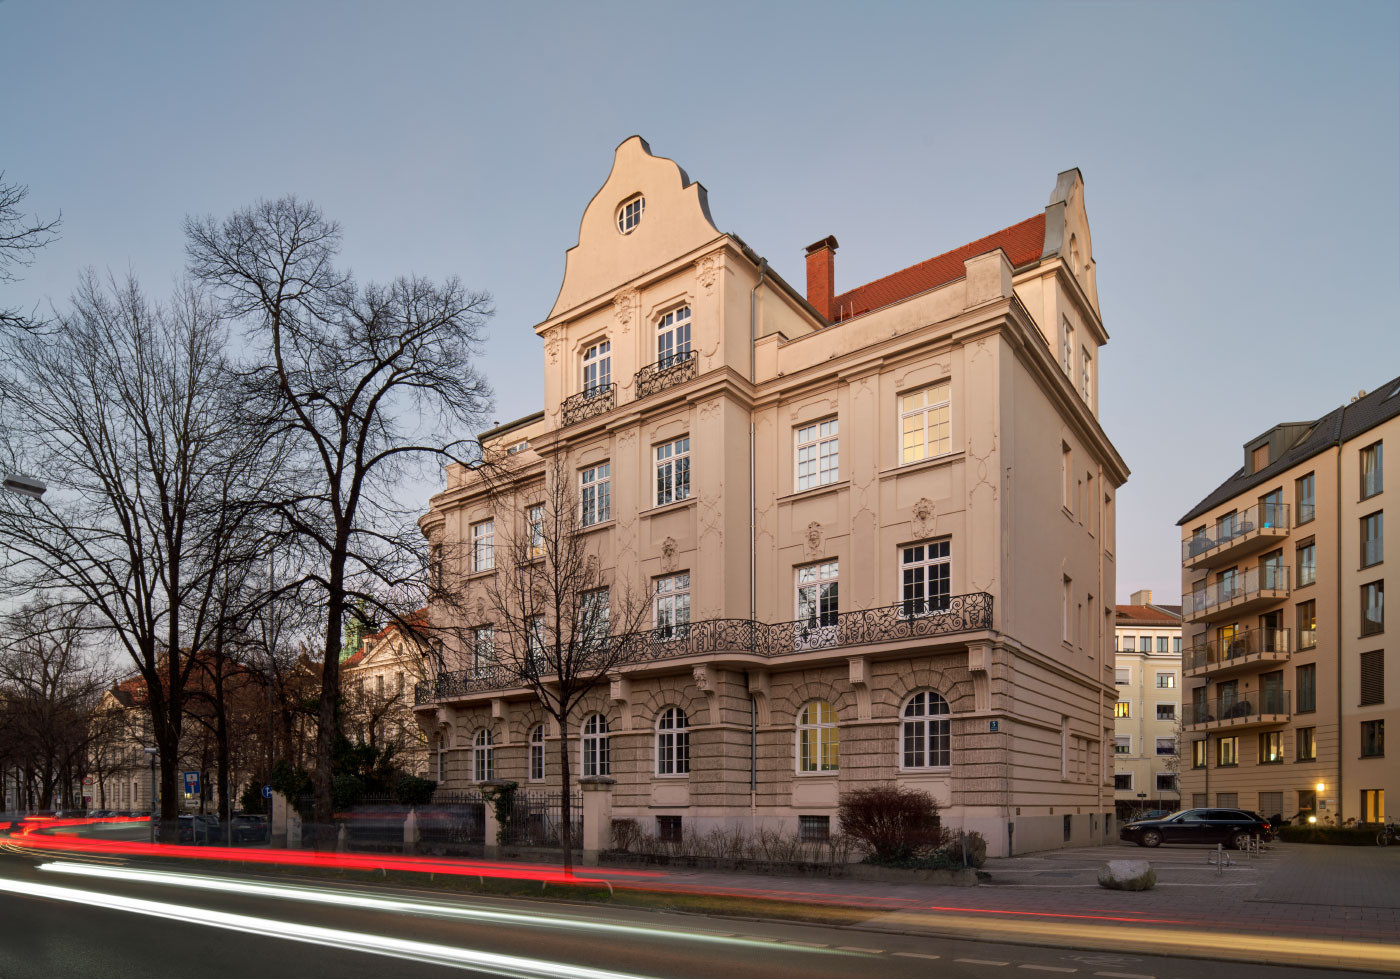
column 368, row 380
column 20, row 237
column 127, row 408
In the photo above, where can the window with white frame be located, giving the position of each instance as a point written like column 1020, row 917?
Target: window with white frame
column 818, row 454
column 673, row 471
column 536, row 772
column 594, row 615
column 673, row 742
column 818, row 739
column 925, row 423
column 1086, row 369
column 1123, row 744
column 597, row 753
column 534, row 529
column 484, row 545
column 818, row 604
column 483, row 756
column 672, row 619
column 926, row 572
column 1166, row 712
column 673, row 338
column 1166, row 681
column 926, row 731
column 1166, row 746
column 538, row 661
column 597, row 368
column 1122, row 676
column 595, row 492
column 484, row 647
column 629, row 213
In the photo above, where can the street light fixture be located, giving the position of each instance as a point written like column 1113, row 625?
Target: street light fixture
column 25, row 486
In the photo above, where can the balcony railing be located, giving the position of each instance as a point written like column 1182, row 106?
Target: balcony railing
column 666, row 372
column 588, row 404
column 1246, row 646
column 1262, row 522
column 1255, row 586
column 892, row 623
column 1265, row 706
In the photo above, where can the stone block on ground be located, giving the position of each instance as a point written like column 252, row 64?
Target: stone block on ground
column 1127, row 875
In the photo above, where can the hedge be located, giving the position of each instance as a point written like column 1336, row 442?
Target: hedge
column 1336, row 835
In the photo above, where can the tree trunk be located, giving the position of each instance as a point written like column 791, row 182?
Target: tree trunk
column 330, row 690
column 565, row 784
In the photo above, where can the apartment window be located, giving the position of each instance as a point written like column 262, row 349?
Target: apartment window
column 1198, row 800
column 1129, row 643
column 594, row 614
column 484, row 647
column 483, row 756
column 1270, row 804
column 1199, row 753
column 672, row 606
column 1067, row 474
column 668, row 829
column 1162, row 644
column 1307, row 624
column 1372, row 739
column 1166, row 782
column 1271, row 748
column 1067, row 603
column 1307, row 744
column 1227, row 752
column 1122, row 676
column 1271, row 511
column 597, row 368
column 1086, row 375
column 1123, row 744
column 1067, row 349
column 1166, row 681
column 1372, row 608
column 818, row 601
column 1259, row 458
column 1122, row 709
column 818, row 742
column 673, row 742
column 1372, row 470
column 673, row 337
column 925, row 423
column 595, row 485
column 596, row 746
column 1372, row 539
column 926, row 577
column 1307, row 800
column 1166, row 746
column 537, row 753
column 1166, row 712
column 673, row 471
column 1373, row 678
column 1227, row 800
column 538, row 662
column 1307, row 565
column 1144, row 644
column 1123, row 782
column 629, row 215
column 818, row 454
column 534, row 527
column 1176, row 644
column 1373, row 805
column 814, row 829
column 926, row 731
column 1305, row 495
column 484, row 545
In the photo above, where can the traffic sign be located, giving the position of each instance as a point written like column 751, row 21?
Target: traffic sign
column 192, row 783
column 267, row 792
column 87, row 779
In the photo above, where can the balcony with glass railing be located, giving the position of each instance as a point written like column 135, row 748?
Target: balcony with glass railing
column 1238, row 653
column 1252, row 529
column 1251, row 590
column 1236, row 711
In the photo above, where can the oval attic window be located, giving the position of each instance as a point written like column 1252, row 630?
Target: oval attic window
column 629, row 215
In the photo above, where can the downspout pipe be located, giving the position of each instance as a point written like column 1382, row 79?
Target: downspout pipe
column 753, row 532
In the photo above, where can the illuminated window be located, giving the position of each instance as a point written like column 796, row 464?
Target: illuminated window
column 1122, row 709
column 818, row 744
column 925, row 425
column 534, row 525
column 1271, row 748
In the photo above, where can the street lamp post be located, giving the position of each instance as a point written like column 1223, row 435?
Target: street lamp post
column 25, row 486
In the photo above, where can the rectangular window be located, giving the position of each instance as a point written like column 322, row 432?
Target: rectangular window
column 1067, row 474
column 1166, row 712
column 1176, row 644
column 484, row 545
column 1086, row 375
column 1166, row 681
column 1122, row 709
column 1373, row 805
column 595, row 485
column 1123, row 744
column 673, row 338
column 668, row 829
column 1305, row 495
column 814, row 829
column 538, row 661
column 1372, row 739
column 484, row 647
column 1227, row 751
column 1199, row 753
column 1227, row 800
column 1372, row 470
column 1123, row 782
column 1373, row 608
column 1067, row 348
column 594, row 615
column 1270, row 804
column 673, row 471
column 1271, row 748
column 818, row 454
column 1372, row 539
column 926, row 577
column 925, row 423
column 1166, row 782
column 1144, row 644
column 1128, row 644
column 1307, row 744
column 1307, row 624
column 1166, row 746
column 1067, row 607
column 1198, row 800
column 672, row 618
column 1306, row 677
column 597, row 368
column 818, row 600
column 1122, row 676
column 1162, row 644
column 1307, row 800
column 1373, row 678
column 534, row 527
column 1307, row 565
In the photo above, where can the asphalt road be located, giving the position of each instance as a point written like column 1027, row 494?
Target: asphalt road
column 75, row 918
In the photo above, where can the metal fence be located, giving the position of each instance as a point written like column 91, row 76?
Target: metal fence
column 535, row 819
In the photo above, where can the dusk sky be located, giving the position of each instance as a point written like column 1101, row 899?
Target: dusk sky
column 1240, row 163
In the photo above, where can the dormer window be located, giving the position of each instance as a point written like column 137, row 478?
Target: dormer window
column 629, row 215
column 597, row 368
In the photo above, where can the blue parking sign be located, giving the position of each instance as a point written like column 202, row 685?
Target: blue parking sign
column 192, row 783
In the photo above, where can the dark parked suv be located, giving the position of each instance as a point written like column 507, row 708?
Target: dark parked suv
column 1233, row 827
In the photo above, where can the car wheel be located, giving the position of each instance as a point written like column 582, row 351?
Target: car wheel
column 1151, row 838
column 1240, row 841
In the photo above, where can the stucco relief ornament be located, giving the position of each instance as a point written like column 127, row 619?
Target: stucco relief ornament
column 706, row 271
column 668, row 554
column 923, row 516
column 814, row 539
column 551, row 346
column 622, row 310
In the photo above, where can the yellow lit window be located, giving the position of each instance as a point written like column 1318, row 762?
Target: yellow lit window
column 925, row 426
column 1120, row 709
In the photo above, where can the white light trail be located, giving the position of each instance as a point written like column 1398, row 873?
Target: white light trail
column 398, row 948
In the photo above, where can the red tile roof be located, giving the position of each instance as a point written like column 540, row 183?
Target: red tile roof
column 1022, row 243
column 1143, row 614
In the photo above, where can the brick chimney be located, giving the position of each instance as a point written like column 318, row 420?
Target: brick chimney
column 821, row 275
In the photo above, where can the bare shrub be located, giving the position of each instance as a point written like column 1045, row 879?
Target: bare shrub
column 890, row 824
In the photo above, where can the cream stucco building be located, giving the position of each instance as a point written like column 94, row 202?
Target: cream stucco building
column 878, row 526
column 1147, row 716
column 1283, row 597
column 377, row 685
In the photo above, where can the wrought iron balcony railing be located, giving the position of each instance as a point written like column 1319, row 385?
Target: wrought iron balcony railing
column 891, row 623
column 666, row 372
column 588, row 404
column 1247, row 643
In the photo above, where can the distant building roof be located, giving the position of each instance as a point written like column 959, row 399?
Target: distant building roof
column 1153, row 615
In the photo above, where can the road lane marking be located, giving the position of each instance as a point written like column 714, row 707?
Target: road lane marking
column 790, row 941
column 981, row 961
column 1047, row 968
column 917, row 955
column 1124, row 975
column 857, row 948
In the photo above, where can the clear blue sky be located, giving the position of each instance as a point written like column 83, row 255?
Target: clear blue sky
column 1240, row 163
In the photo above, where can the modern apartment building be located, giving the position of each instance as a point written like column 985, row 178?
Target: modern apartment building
column 1147, row 715
column 875, row 528
column 1283, row 594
